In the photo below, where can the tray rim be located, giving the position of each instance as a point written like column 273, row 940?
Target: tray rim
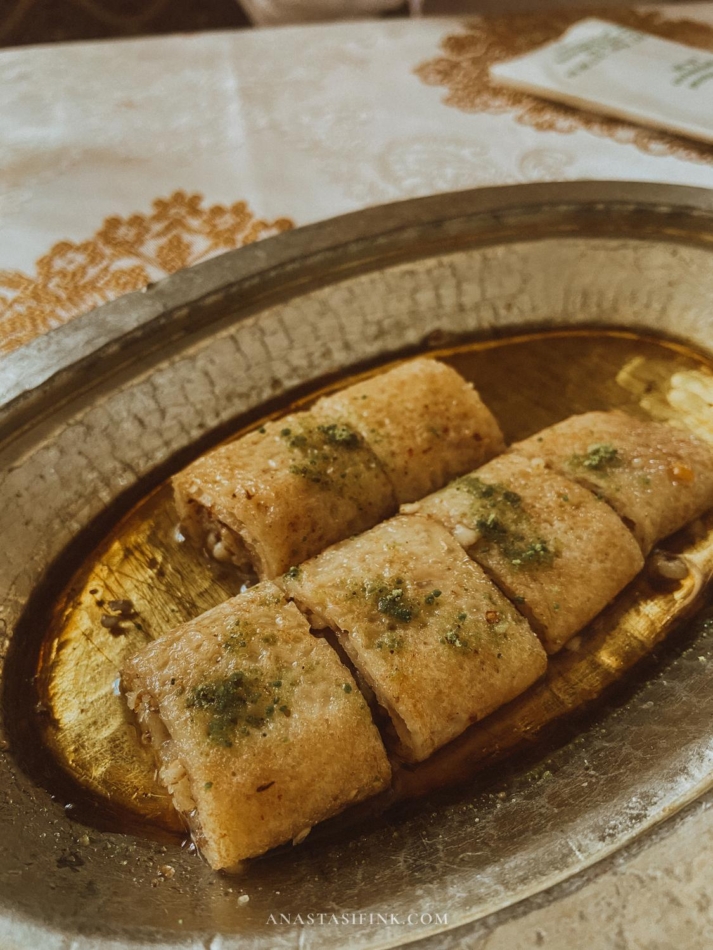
column 45, row 370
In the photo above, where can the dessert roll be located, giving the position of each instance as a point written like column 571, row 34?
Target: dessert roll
column 282, row 493
column 430, row 634
column 424, row 422
column 259, row 730
column 555, row 550
column 656, row 477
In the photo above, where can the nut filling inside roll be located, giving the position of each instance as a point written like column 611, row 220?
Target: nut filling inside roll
column 283, row 493
column 277, row 495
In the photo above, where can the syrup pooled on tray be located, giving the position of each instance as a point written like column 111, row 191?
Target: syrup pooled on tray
column 143, row 579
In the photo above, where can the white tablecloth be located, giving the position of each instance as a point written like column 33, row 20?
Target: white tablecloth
column 122, row 161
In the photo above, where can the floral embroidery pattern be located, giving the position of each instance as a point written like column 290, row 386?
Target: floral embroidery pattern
column 463, row 69
column 125, row 254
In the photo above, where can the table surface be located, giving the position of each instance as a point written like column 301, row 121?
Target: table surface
column 124, row 161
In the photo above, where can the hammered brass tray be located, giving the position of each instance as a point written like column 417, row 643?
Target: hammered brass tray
column 553, row 299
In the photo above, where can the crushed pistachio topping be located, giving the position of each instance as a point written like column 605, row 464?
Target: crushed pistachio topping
column 340, row 434
column 236, row 705
column 491, row 528
column 393, row 605
column 239, row 633
column 537, row 552
column 466, row 632
column 293, row 573
column 452, row 637
column 599, row 457
column 324, row 453
column 390, row 641
column 391, row 598
column 456, row 636
column 494, row 492
column 501, row 520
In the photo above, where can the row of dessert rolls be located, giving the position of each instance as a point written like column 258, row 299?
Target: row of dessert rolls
column 289, row 489
column 445, row 612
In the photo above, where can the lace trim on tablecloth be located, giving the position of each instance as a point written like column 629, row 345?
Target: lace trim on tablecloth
column 464, row 70
column 125, row 254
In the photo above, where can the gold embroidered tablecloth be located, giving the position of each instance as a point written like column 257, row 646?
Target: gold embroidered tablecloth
column 121, row 162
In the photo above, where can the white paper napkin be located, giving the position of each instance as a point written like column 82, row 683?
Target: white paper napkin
column 625, row 73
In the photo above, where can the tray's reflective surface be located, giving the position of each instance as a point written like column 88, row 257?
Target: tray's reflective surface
column 146, row 564
column 206, row 351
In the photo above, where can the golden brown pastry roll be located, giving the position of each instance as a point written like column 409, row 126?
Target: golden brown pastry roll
column 656, row 477
column 259, row 730
column 555, row 550
column 430, row 634
column 282, row 493
column 424, row 422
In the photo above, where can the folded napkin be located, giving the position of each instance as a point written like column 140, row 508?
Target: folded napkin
column 629, row 74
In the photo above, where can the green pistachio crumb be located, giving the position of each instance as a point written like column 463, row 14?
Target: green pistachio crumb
column 432, row 597
column 392, row 604
column 233, row 706
column 347, row 687
column 452, row 638
column 341, row 435
column 234, row 643
column 390, row 641
column 600, row 457
column 293, row 573
column 512, row 497
column 491, row 528
column 537, row 552
column 208, row 786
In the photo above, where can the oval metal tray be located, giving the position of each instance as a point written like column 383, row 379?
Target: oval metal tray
column 96, row 413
